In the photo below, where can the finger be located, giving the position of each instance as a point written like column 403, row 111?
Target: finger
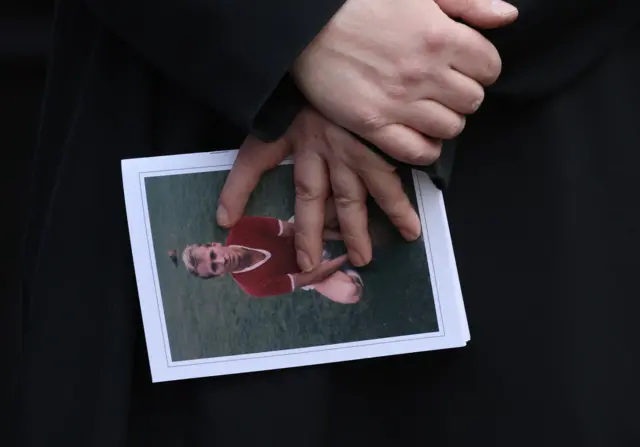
column 475, row 57
column 312, row 189
column 253, row 160
column 486, row 14
column 384, row 185
column 405, row 144
column 432, row 119
column 350, row 195
column 456, row 91
column 386, row 189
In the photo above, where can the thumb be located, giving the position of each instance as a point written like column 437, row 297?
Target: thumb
column 254, row 159
column 484, row 14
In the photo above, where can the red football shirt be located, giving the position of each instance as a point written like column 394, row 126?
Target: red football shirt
column 273, row 275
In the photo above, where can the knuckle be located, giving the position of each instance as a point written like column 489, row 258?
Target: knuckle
column 421, row 158
column 411, row 70
column 455, row 128
column 493, row 67
column 343, row 200
column 397, row 91
column 476, row 100
column 307, row 193
column 427, row 157
column 437, row 39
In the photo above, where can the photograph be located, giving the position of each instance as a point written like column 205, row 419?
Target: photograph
column 240, row 291
column 218, row 301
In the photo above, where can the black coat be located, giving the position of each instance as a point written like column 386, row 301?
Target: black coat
column 542, row 204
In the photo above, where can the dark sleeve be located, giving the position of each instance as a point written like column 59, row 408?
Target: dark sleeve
column 232, row 55
column 275, row 116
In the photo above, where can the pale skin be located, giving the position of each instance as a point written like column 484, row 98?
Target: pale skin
column 403, row 79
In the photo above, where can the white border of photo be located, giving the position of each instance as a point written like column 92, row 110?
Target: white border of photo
column 453, row 328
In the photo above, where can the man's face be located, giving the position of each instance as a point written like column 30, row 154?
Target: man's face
column 215, row 259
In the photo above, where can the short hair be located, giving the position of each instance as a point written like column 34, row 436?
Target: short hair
column 191, row 262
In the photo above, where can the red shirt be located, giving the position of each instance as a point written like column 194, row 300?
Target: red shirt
column 273, row 276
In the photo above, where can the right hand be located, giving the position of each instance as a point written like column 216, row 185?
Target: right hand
column 402, row 75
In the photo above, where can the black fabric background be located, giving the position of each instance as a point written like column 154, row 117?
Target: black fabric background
column 542, row 207
column 24, row 43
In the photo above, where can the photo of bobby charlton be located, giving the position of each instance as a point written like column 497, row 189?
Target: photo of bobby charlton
column 260, row 256
column 240, row 291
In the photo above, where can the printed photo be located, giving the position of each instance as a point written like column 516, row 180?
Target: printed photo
column 239, row 291
column 220, row 301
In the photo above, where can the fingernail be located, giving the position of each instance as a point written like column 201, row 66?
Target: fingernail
column 411, row 234
column 222, row 215
column 357, row 259
column 503, row 8
column 304, row 262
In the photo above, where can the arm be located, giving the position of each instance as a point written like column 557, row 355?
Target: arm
column 230, row 55
column 322, row 272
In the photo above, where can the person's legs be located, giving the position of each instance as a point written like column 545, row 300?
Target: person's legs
column 341, row 287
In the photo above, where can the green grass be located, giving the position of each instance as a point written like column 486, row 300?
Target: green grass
column 210, row 318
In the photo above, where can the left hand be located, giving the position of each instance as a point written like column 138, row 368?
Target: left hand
column 328, row 162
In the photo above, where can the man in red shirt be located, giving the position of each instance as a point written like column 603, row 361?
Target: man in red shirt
column 260, row 255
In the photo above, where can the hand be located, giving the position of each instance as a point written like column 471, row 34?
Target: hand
column 328, row 162
column 402, row 76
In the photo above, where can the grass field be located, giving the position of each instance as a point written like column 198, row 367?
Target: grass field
column 210, row 318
